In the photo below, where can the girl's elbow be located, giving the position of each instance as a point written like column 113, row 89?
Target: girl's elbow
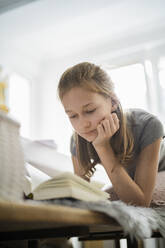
column 141, row 203
column 144, row 203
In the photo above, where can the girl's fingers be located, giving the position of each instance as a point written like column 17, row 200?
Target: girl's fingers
column 112, row 125
column 109, row 126
column 100, row 129
column 106, row 126
column 116, row 120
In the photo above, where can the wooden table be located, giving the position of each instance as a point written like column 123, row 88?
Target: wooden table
column 27, row 221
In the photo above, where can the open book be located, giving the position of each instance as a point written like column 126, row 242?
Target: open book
column 45, row 157
column 39, row 186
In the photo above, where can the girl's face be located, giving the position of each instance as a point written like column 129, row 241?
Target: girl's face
column 86, row 110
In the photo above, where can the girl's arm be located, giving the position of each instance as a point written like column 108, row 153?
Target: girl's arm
column 138, row 192
column 147, row 169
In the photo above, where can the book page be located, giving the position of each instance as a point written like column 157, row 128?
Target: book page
column 27, row 185
column 45, row 158
column 68, row 179
column 68, row 185
column 37, row 176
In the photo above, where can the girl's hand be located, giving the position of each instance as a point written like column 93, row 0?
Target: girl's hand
column 106, row 129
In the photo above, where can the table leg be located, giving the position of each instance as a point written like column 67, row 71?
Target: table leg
column 132, row 242
column 33, row 244
column 117, row 243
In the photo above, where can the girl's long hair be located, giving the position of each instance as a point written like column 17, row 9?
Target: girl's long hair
column 95, row 79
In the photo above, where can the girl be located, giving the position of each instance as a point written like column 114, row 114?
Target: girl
column 128, row 145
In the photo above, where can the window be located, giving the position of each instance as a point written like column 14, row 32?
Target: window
column 130, row 86
column 161, row 72
column 19, row 102
column 161, row 67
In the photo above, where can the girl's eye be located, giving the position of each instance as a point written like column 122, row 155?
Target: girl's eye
column 90, row 111
column 72, row 117
column 87, row 112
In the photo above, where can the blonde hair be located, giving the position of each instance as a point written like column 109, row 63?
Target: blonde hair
column 95, row 79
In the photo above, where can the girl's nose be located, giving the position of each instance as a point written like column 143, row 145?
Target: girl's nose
column 85, row 123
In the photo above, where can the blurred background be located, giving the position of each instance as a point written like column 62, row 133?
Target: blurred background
column 40, row 39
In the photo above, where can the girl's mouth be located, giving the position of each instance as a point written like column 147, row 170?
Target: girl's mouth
column 90, row 132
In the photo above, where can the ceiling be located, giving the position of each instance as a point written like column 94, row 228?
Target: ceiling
column 48, row 32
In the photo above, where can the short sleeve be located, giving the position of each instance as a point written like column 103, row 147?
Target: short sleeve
column 73, row 145
column 152, row 131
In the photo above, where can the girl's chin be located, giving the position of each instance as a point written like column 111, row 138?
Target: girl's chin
column 90, row 138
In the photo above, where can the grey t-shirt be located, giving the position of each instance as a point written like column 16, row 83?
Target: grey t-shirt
column 146, row 128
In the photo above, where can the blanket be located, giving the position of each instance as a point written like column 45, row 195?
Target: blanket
column 138, row 222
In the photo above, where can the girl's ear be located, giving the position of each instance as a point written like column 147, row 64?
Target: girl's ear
column 114, row 102
column 114, row 106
